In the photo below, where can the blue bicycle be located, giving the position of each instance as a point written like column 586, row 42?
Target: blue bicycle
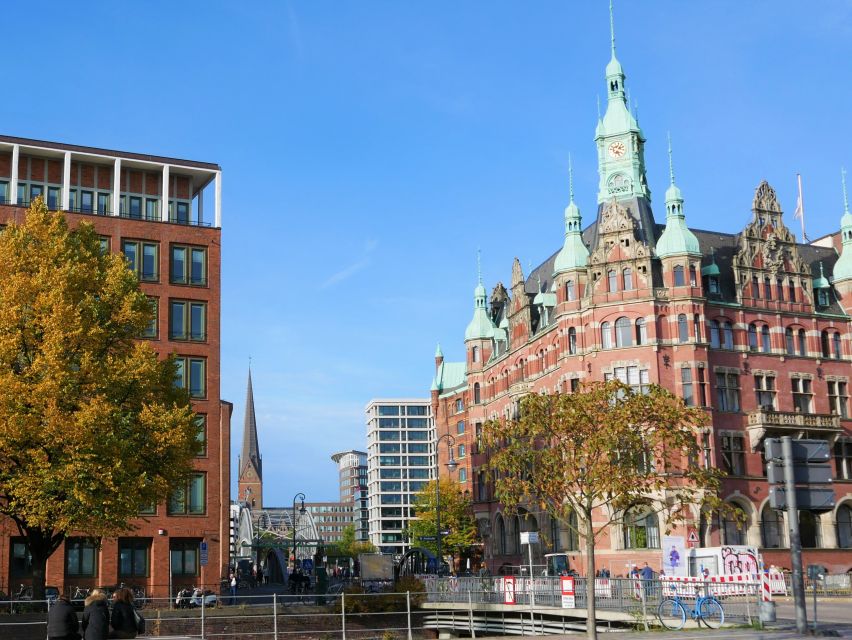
column 707, row 609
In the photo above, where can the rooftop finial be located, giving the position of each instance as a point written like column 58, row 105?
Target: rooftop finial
column 479, row 265
column 821, row 274
column 612, row 28
column 845, row 194
column 570, row 178
column 671, row 163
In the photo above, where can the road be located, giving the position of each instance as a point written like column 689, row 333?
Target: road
column 829, row 610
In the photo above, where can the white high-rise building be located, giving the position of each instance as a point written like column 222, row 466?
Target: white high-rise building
column 400, row 461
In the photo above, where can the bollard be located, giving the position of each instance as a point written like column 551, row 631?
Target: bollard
column 408, row 611
column 343, row 614
column 203, row 607
column 275, row 615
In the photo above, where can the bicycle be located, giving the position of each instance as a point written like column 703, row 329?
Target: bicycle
column 707, row 609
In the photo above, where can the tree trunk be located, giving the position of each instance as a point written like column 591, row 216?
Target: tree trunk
column 591, row 622
column 41, row 545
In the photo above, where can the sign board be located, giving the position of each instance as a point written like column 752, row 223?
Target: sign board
column 445, row 532
column 674, row 556
column 529, row 537
column 803, row 450
column 692, row 538
column 803, row 472
column 307, row 565
column 811, row 498
column 568, row 598
column 509, row 590
column 203, row 553
column 427, row 538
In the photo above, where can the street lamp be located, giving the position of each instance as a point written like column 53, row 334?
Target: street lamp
column 451, row 466
column 301, row 510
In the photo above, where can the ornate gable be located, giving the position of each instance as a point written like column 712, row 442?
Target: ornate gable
column 618, row 242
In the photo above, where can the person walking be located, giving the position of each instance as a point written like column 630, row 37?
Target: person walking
column 122, row 621
column 62, row 622
column 96, row 616
column 232, row 583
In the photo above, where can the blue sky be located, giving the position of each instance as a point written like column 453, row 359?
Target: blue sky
column 369, row 148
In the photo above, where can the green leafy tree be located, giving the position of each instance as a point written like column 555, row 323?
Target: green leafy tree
column 92, row 428
column 598, row 452
column 349, row 547
column 456, row 517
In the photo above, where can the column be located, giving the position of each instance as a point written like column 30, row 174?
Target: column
column 116, row 187
column 66, row 181
column 13, row 182
column 200, row 197
column 217, row 205
column 164, row 213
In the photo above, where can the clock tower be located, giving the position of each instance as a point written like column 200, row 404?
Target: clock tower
column 621, row 151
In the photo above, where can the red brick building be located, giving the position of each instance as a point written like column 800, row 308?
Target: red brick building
column 152, row 209
column 747, row 322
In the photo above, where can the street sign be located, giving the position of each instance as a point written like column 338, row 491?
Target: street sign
column 804, row 472
column 568, row 599
column 427, row 538
column 692, row 538
column 803, row 450
column 203, row 553
column 811, row 498
column 509, row 590
column 529, row 537
column 445, row 532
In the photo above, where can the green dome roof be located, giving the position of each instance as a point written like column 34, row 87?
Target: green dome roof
column 710, row 270
column 480, row 326
column 673, row 193
column 573, row 254
column 677, row 239
column 822, row 281
column 614, row 67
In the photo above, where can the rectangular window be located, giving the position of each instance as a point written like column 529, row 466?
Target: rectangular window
column 728, row 391
column 702, row 389
column 143, row 259
column 460, row 427
column 22, row 562
column 151, row 331
column 152, row 209
column 191, row 498
column 188, row 320
column 418, row 461
column 733, row 454
column 416, row 411
column 418, row 435
column 390, row 461
column 388, row 435
column 388, row 410
column 201, row 434
column 638, row 379
column 843, row 459
column 179, row 212
column 73, row 201
column 385, row 423
column 133, row 554
column 184, row 558
column 103, row 203
column 54, row 198
column 418, row 423
column 81, row 558
column 837, row 398
column 389, row 448
column 87, row 201
column 4, row 192
column 192, row 374
column 418, row 448
column 188, row 265
column 390, row 486
column 688, row 393
column 390, row 474
column 135, row 207
column 764, row 391
column 36, row 190
column 419, row 474
column 802, row 394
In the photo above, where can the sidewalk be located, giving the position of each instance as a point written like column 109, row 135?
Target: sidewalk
column 781, row 632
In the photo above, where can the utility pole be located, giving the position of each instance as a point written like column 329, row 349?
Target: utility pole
column 795, row 540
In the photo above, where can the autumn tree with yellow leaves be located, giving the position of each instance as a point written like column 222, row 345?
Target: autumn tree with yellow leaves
column 588, row 456
column 92, row 427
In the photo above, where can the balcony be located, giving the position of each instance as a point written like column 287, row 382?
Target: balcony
column 765, row 423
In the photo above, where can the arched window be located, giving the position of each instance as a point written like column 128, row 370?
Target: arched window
column 476, row 393
column 693, row 276
column 767, row 288
column 501, row 535
column 779, row 287
column 696, row 327
column 570, row 293
column 844, row 526
column 803, row 343
column 572, row 340
column 523, row 369
column 682, row 329
column 612, row 279
column 641, row 331
column 641, row 529
column 627, row 276
column 516, row 535
column 475, row 354
column 826, row 347
column 734, row 526
column 623, row 333
column 771, row 528
column 755, row 287
column 728, row 333
column 836, row 347
column 765, row 343
column 752, row 337
column 573, row 537
column 788, row 338
column 715, row 335
column 792, row 290
column 606, row 335
column 555, row 542
column 679, row 279
column 809, row 530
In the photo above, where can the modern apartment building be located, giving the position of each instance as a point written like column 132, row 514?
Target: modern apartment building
column 164, row 214
column 352, row 471
column 400, row 450
column 331, row 518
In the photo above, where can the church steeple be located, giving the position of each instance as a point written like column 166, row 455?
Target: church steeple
column 677, row 239
column 250, row 482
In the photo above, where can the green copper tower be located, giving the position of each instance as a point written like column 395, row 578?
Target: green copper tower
column 676, row 239
column 843, row 267
column 574, row 254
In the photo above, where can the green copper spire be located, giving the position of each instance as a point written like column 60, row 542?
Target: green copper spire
column 480, row 326
column 843, row 266
column 822, row 281
column 677, row 239
column 574, row 254
column 438, row 352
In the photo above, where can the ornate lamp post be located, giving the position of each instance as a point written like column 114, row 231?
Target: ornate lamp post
column 451, row 466
column 301, row 496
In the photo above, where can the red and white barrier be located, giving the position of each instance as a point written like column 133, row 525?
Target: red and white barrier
column 719, row 586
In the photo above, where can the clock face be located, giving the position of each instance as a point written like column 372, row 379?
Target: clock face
column 617, row 149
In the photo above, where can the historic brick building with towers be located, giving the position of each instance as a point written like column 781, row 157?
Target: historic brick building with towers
column 749, row 323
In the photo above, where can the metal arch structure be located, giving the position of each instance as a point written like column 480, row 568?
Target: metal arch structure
column 278, row 524
column 417, row 561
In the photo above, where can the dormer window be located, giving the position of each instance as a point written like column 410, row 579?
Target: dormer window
column 713, row 284
column 822, row 297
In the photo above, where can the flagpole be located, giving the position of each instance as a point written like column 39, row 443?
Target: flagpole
column 801, row 209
